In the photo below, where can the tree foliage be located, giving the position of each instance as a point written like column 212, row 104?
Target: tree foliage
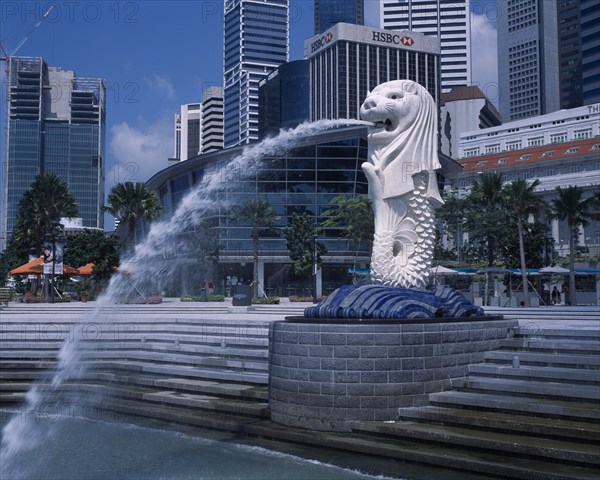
column 129, row 202
column 42, row 205
column 355, row 215
column 258, row 214
column 299, row 237
column 570, row 206
column 520, row 201
column 93, row 246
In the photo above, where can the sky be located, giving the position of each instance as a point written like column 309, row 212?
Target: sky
column 156, row 55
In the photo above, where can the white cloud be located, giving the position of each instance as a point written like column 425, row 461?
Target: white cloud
column 161, row 84
column 139, row 151
column 484, row 56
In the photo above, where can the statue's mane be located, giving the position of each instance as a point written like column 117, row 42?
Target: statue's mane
column 414, row 150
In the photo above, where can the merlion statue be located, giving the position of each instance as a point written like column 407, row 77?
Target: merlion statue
column 403, row 159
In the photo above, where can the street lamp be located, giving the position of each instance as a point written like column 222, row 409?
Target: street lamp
column 53, row 255
column 314, row 268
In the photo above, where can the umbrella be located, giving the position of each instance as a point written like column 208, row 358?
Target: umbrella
column 87, row 269
column 495, row 271
column 36, row 267
column 439, row 270
column 555, row 269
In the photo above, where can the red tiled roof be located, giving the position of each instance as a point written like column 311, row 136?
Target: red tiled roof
column 526, row 156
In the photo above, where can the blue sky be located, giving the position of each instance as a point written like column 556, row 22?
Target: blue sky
column 155, row 55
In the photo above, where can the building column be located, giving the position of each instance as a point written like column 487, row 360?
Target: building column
column 555, row 231
column 319, row 282
column 261, row 277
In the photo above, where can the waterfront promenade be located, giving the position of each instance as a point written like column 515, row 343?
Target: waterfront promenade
column 530, row 410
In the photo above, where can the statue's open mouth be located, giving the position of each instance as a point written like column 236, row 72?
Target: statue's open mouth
column 386, row 124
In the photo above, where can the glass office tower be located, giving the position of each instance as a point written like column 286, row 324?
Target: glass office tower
column 256, row 41
column 55, row 124
column 330, row 12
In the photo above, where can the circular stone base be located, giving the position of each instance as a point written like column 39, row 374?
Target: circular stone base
column 324, row 375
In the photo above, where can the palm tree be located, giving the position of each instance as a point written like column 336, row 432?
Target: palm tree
column 257, row 213
column 521, row 201
column 41, row 207
column 131, row 201
column 571, row 207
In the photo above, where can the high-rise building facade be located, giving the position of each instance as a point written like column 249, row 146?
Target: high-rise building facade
column 347, row 61
column 447, row 20
column 187, row 131
column 330, row 12
column 527, row 58
column 211, row 132
column 569, row 53
column 55, row 124
column 590, row 51
column 256, row 41
column 284, row 98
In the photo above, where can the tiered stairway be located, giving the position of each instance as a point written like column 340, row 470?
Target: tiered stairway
column 200, row 372
column 530, row 411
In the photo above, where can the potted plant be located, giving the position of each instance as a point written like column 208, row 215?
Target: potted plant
column 83, row 289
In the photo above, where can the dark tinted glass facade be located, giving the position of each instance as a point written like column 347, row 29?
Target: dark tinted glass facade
column 330, row 12
column 284, row 98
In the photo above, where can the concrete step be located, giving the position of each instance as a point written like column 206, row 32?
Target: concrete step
column 554, row 346
column 496, row 442
column 174, row 414
column 534, row 330
column 502, row 386
column 183, row 371
column 519, row 404
column 551, row 374
column 504, row 422
column 545, row 359
column 458, row 458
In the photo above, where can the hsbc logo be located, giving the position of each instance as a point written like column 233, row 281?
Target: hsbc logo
column 384, row 37
column 324, row 40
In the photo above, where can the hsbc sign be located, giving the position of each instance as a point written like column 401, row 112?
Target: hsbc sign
column 324, row 40
column 396, row 39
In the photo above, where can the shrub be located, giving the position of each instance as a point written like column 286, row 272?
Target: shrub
column 215, row 298
column 190, row 298
column 32, row 299
column 153, row 300
column 295, row 298
column 265, row 301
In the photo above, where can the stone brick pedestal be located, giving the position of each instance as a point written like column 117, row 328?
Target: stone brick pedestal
column 323, row 376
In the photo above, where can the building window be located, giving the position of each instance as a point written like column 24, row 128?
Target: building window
column 492, row 148
column 481, row 163
column 525, row 156
column 582, row 134
column 513, row 145
column 572, row 150
column 535, row 141
column 558, row 137
column 547, row 153
column 502, row 160
column 471, row 152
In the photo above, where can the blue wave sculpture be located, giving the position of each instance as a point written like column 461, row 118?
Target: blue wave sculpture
column 378, row 302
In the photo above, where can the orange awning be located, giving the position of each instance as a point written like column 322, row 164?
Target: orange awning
column 36, row 267
column 87, row 269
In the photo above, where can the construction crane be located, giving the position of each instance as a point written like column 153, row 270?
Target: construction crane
column 35, row 27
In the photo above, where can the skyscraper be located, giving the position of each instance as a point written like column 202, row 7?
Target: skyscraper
column 590, row 51
column 448, row 20
column 187, row 131
column 527, row 59
column 211, row 127
column 347, row 61
column 55, row 124
column 256, row 41
column 330, row 12
column 569, row 53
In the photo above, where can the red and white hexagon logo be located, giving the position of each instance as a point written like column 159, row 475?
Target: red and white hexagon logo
column 408, row 41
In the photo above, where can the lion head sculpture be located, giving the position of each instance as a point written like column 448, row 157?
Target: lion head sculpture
column 403, row 140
